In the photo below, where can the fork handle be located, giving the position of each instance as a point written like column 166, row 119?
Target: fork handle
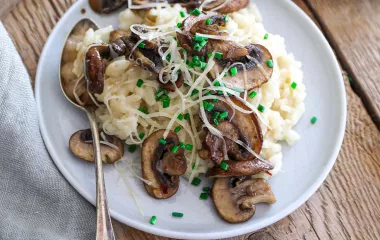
column 104, row 230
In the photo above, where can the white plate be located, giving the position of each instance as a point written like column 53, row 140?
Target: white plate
column 306, row 164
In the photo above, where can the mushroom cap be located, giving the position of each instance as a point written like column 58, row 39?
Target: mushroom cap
column 96, row 63
column 240, row 168
column 226, row 203
column 160, row 166
column 254, row 57
column 81, row 146
column 106, row 6
column 244, row 127
column 235, row 198
column 231, row 6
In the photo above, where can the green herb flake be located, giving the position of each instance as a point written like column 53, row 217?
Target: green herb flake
column 313, row 120
column 180, row 116
column 261, row 108
column 203, row 196
column 132, row 148
column 206, row 189
column 187, row 116
column 162, row 141
column 233, row 71
column 177, row 214
column 227, row 18
column 252, row 94
column 182, row 14
column 208, row 21
column 177, row 129
column 196, row 181
column 189, row 147
column 223, row 115
column 196, row 12
column 175, row 149
column 218, row 55
column 293, row 85
column 141, row 135
column 179, row 24
column 266, row 36
column 139, row 83
column 224, row 166
column 141, row 45
column 153, row 220
column 270, row 63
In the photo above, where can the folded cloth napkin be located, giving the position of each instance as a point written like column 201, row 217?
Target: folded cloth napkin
column 36, row 202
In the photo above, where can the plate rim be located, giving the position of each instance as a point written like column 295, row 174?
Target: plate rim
column 190, row 235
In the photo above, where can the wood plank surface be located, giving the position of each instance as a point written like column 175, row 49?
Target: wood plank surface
column 346, row 206
column 352, row 28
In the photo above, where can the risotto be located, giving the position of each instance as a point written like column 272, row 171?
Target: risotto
column 131, row 110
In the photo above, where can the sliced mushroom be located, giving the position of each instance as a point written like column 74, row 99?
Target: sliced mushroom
column 161, row 166
column 147, row 57
column 112, row 148
column 254, row 57
column 235, row 198
column 229, row 7
column 96, row 63
column 243, row 127
column 197, row 24
column 106, row 6
column 240, row 168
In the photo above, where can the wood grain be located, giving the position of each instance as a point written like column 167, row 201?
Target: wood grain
column 347, row 204
column 352, row 28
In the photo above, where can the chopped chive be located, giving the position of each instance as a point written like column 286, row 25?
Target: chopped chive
column 225, row 74
column 177, row 214
column 189, row 147
column 293, row 85
column 350, row 79
column 180, row 116
column 203, row 65
column 224, row 166
column 215, row 115
column 203, row 196
column 220, row 92
column 252, row 94
column 313, row 120
column 197, row 47
column 208, row 106
column 206, row 189
column 270, row 63
column 209, row 55
column 139, row 83
column 216, row 123
column 223, row 115
column 195, row 58
column 166, row 103
column 177, row 129
column 182, row 14
column 217, row 84
column 202, row 58
column 179, row 24
column 194, row 166
column 208, row 93
column 196, row 12
column 132, row 148
column 227, row 18
column 194, row 92
column 182, row 144
column 175, row 149
column 203, row 43
column 178, row 72
column 153, row 220
column 141, row 135
column 196, row 181
column 143, row 110
column 233, row 71
column 191, row 65
column 187, row 116
column 141, row 45
column 261, row 108
column 197, row 63
column 208, row 21
column 215, row 100
column 162, row 141
column 168, row 57
column 218, row 55
column 186, row 85
column 198, row 38
column 266, row 36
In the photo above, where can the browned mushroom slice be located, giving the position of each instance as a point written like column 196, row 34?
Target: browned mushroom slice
column 161, row 165
column 229, row 7
column 240, row 168
column 170, row 86
column 254, row 57
column 243, row 127
column 96, row 61
column 197, row 24
column 235, row 198
column 112, row 148
column 106, row 6
column 147, row 57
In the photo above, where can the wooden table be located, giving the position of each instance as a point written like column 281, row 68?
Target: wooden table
column 347, row 206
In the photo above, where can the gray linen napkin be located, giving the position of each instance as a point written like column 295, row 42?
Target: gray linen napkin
column 36, row 202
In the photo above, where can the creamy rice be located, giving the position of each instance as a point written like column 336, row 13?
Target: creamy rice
column 284, row 106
